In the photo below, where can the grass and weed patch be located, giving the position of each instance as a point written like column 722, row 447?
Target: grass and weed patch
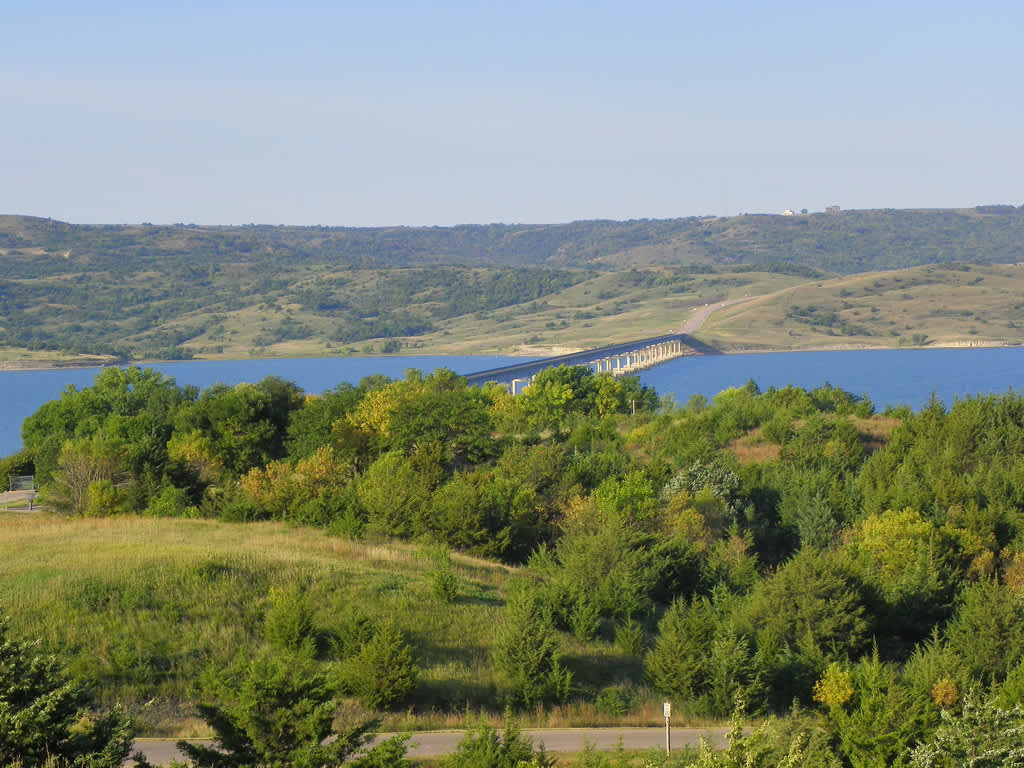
column 142, row 606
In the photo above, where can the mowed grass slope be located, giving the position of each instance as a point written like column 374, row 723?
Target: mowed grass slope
column 141, row 606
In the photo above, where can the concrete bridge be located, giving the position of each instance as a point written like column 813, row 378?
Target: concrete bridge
column 617, row 359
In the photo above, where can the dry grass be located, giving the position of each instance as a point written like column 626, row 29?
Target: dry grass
column 752, row 448
column 975, row 305
column 875, row 431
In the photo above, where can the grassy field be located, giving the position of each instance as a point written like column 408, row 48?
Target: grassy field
column 173, row 292
column 601, row 311
column 951, row 305
column 141, row 606
column 956, row 305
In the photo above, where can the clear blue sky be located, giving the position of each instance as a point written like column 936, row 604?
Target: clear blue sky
column 381, row 113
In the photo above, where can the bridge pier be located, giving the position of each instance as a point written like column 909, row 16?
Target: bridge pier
column 647, row 356
column 638, row 359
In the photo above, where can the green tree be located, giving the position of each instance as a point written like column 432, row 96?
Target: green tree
column 312, row 425
column 772, row 744
column 395, row 490
column 46, row 717
column 444, row 410
column 982, row 735
column 732, row 672
column 987, row 631
column 600, row 565
column 83, row 465
column 560, row 393
column 816, row 603
column 483, row 514
column 484, row 747
column 383, row 673
column 526, row 652
column 898, row 554
column 815, row 522
column 127, row 414
column 244, row 426
column 880, row 720
column 131, row 406
column 279, row 710
column 679, row 663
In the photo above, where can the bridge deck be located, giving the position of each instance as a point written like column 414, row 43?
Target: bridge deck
column 525, row 370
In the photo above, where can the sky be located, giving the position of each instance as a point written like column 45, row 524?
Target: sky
column 440, row 113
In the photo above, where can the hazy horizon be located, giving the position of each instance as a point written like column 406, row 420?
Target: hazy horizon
column 413, row 114
column 471, row 223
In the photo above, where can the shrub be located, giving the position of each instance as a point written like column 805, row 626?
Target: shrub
column 349, row 636
column 484, row 747
column 46, row 719
column 631, row 638
column 615, row 700
column 443, row 581
column 170, row 502
column 383, row 673
column 526, row 652
column 280, row 711
column 288, row 622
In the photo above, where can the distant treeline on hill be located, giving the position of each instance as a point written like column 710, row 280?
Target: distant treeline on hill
column 171, row 291
column 845, row 242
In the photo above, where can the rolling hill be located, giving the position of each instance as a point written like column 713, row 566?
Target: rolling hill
column 145, row 292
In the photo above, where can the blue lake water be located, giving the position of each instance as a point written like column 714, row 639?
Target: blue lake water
column 888, row 377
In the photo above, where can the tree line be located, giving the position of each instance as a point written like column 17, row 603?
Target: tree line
column 788, row 553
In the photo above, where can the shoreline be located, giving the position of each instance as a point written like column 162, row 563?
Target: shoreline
column 13, row 366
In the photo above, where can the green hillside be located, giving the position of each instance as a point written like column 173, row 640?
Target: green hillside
column 578, row 553
column 142, row 606
column 167, row 292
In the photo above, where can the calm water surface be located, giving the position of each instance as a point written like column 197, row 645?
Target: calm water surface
column 888, row 377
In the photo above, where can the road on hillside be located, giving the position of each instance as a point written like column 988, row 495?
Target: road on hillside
column 439, row 743
column 704, row 312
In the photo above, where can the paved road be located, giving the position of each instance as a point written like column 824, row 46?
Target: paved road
column 436, row 743
column 698, row 318
column 17, row 497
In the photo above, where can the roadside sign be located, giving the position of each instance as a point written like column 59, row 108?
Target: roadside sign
column 667, row 709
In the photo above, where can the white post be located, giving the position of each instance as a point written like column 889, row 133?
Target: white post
column 668, row 731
